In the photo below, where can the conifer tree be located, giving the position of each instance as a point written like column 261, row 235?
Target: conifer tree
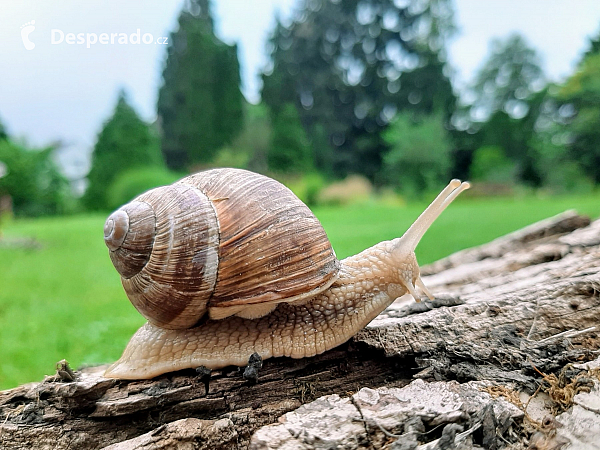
column 290, row 151
column 125, row 142
column 200, row 105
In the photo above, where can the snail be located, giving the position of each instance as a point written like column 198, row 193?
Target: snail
column 227, row 263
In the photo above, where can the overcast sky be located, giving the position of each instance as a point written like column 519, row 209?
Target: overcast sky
column 65, row 91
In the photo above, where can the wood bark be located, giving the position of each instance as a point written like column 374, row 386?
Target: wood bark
column 506, row 315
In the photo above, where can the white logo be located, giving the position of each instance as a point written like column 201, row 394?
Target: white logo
column 26, row 30
column 89, row 39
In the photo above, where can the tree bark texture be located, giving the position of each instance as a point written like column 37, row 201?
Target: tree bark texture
column 498, row 360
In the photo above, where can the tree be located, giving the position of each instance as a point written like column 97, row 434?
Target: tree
column 419, row 157
column 348, row 67
column 3, row 133
column 200, row 105
column 289, row 151
column 249, row 149
column 508, row 94
column 580, row 99
column 33, row 181
column 490, row 164
column 594, row 48
column 125, row 142
column 508, row 77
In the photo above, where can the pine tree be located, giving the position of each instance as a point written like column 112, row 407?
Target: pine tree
column 200, row 105
column 125, row 142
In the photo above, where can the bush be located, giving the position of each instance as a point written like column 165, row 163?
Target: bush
column 132, row 183
column 353, row 189
column 249, row 149
column 232, row 157
column 306, row 187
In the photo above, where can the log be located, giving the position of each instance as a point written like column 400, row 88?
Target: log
column 510, row 319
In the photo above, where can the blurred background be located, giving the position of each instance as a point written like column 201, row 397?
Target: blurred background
column 364, row 108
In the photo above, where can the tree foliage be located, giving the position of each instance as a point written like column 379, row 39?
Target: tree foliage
column 249, row 149
column 558, row 171
column 580, row 97
column 125, row 142
column 3, row 134
column 490, row 164
column 507, row 96
column 289, row 151
column 200, row 105
column 418, row 160
column 33, row 180
column 510, row 75
column 349, row 66
column 593, row 49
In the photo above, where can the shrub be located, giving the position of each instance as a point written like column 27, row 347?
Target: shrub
column 353, row 189
column 306, row 187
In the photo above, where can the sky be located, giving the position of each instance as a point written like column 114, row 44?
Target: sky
column 58, row 91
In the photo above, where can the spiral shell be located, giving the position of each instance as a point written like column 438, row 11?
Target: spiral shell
column 224, row 241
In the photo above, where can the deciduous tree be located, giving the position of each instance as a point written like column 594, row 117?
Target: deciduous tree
column 350, row 66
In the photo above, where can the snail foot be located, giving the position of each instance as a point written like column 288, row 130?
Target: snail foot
column 255, row 363
column 204, row 374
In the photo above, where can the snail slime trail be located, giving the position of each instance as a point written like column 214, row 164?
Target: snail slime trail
column 227, row 263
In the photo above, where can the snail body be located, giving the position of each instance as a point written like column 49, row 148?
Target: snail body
column 227, row 263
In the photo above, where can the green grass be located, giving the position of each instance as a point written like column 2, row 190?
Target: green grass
column 466, row 223
column 64, row 300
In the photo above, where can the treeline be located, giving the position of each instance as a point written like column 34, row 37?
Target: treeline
column 354, row 87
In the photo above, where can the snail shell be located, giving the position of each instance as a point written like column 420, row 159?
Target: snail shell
column 222, row 242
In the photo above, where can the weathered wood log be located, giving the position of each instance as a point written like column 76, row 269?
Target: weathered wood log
column 506, row 312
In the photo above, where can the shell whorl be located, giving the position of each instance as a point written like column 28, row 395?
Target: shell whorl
column 130, row 251
column 172, row 280
column 219, row 242
column 115, row 229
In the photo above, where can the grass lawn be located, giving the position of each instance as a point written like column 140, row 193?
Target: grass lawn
column 65, row 300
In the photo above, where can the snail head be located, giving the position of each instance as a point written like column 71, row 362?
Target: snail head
column 403, row 249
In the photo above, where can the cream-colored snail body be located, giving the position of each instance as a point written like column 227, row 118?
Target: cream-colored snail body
column 226, row 263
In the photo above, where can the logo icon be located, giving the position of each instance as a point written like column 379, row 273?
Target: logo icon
column 26, row 30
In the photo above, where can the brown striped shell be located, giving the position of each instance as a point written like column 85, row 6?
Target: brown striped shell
column 224, row 241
